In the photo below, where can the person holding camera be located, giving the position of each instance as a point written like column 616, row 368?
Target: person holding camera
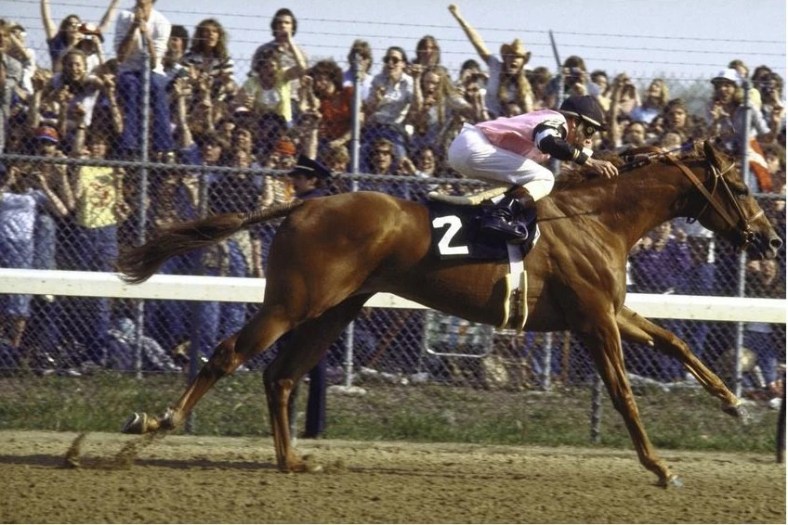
column 71, row 32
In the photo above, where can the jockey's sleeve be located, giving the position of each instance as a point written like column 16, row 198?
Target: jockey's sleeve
column 551, row 140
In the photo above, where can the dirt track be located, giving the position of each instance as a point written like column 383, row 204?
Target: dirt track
column 221, row 480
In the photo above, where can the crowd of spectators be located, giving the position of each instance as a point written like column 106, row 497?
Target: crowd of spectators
column 86, row 102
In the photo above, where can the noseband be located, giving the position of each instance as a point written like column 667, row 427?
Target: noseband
column 743, row 222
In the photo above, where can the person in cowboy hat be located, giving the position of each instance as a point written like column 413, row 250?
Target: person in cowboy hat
column 512, row 150
column 507, row 85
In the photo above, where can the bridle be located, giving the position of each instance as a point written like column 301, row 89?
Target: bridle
column 742, row 222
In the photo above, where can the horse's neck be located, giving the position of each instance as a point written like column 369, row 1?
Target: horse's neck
column 628, row 207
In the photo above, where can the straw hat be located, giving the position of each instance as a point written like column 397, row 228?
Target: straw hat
column 516, row 48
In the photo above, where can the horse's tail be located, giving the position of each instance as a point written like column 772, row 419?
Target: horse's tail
column 138, row 264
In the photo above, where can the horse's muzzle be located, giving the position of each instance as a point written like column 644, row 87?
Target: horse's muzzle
column 766, row 246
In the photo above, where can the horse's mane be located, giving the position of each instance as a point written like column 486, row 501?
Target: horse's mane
column 573, row 176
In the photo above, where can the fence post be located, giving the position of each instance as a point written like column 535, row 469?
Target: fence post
column 744, row 141
column 596, row 409
column 143, row 197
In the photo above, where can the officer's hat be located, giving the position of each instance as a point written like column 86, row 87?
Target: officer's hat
column 310, row 168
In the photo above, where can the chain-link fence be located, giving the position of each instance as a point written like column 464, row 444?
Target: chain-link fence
column 71, row 334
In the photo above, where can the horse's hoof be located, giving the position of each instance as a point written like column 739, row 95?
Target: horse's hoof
column 672, row 481
column 739, row 411
column 137, row 423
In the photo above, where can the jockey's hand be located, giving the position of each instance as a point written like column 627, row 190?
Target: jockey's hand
column 602, row 167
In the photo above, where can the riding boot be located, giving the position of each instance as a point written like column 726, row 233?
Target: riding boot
column 502, row 219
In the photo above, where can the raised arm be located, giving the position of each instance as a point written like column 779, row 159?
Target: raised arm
column 471, row 33
column 50, row 29
column 299, row 68
column 108, row 15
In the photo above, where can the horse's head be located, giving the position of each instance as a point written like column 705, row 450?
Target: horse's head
column 727, row 207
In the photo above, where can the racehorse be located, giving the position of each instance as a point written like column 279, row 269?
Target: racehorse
column 331, row 254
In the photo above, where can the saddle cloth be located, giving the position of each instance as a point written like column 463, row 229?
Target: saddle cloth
column 456, row 233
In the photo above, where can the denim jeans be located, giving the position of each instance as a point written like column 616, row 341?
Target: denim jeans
column 130, row 97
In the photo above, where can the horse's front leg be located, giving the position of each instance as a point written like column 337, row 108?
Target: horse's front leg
column 604, row 344
column 638, row 329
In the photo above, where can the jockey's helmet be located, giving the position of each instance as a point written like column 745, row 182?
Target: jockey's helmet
column 586, row 108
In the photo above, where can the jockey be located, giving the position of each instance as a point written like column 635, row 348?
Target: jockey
column 512, row 150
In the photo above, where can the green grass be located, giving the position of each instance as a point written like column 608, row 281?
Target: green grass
column 101, row 402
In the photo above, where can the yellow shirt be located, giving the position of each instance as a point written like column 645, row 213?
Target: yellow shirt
column 97, row 186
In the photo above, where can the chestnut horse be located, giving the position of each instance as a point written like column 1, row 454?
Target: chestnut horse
column 330, row 255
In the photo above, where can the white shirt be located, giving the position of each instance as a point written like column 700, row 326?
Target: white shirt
column 158, row 30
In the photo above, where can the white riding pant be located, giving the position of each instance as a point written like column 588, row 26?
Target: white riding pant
column 474, row 156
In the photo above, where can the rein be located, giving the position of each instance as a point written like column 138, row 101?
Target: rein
column 718, row 177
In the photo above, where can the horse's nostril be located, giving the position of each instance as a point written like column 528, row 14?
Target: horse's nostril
column 775, row 243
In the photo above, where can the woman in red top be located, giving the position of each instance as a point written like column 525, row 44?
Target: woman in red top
column 334, row 102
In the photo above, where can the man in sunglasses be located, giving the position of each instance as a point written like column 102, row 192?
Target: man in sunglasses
column 513, row 150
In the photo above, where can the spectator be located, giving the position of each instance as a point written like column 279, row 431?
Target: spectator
column 728, row 118
column 435, row 102
column 677, row 119
column 634, row 136
column 100, row 207
column 11, row 73
column 387, row 105
column 18, row 49
column 621, row 97
column 77, row 92
column 362, row 53
column 335, row 103
column 601, row 88
column 335, row 158
column 507, row 80
column 539, row 78
column 177, row 45
column 276, row 189
column 209, row 57
column 288, row 54
column 68, row 35
column 428, row 54
column 382, row 161
column 238, row 255
column 472, row 90
column 656, row 97
column 575, row 78
column 765, row 339
column 772, row 104
column 24, row 194
column 92, row 45
column 107, row 119
column 471, row 68
column 426, row 164
column 268, row 91
column 144, row 26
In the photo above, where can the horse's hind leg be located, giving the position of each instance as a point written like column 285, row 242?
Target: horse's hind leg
column 638, row 329
column 257, row 335
column 302, row 351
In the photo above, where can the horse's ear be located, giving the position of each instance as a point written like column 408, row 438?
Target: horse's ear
column 711, row 154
